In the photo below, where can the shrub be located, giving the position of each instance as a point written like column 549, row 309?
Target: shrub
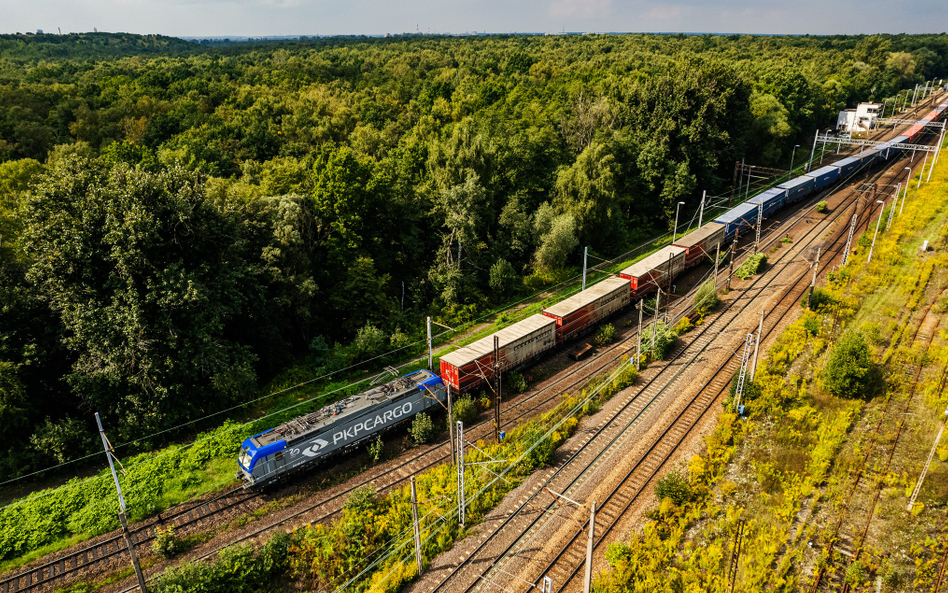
column 166, row 544
column 375, row 449
column 503, row 277
column 664, row 340
column 516, row 382
column 422, row 429
column 706, row 297
column 752, row 265
column 363, row 499
column 673, row 485
column 821, row 298
column 238, row 569
column 605, row 334
column 822, row 206
column 847, row 369
column 464, row 410
column 856, row 574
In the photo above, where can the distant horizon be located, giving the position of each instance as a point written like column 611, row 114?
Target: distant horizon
column 298, row 36
column 210, row 19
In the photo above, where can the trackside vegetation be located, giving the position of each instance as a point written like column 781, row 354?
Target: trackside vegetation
column 370, row 548
column 787, row 468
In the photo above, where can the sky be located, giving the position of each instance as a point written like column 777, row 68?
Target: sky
column 197, row 18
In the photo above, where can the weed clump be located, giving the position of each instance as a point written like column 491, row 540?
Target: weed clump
column 422, row 429
column 605, row 334
column 752, row 265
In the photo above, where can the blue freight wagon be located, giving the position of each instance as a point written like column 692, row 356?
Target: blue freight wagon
column 772, row 199
column 798, row 188
column 824, row 176
column 741, row 217
column 847, row 166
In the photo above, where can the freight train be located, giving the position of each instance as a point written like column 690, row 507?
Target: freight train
column 275, row 454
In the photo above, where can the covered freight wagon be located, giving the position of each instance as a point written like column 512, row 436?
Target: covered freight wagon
column 655, row 270
column 742, row 217
column 847, row 166
column 798, row 188
column 466, row 368
column 302, row 442
column 701, row 243
column 587, row 308
column 824, row 176
column 772, row 200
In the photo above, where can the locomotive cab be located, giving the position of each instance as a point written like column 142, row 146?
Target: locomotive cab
column 258, row 455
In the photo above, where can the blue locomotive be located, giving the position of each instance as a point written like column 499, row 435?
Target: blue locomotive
column 274, row 454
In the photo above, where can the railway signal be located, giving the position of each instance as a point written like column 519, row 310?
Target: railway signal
column 110, row 455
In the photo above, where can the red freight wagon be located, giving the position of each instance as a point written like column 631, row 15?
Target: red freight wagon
column 655, row 269
column 588, row 307
column 466, row 368
column 702, row 243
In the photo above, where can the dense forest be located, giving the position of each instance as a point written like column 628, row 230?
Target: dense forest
column 179, row 223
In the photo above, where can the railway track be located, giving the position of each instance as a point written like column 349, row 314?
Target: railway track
column 62, row 568
column 849, row 536
column 643, row 470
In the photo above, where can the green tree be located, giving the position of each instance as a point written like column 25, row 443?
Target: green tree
column 557, row 238
column 149, row 278
column 848, row 367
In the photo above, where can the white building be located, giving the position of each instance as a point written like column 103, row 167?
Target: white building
column 861, row 119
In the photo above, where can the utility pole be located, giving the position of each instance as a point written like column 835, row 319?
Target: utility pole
column 928, row 463
column 793, row 154
column 760, row 336
column 638, row 346
column 730, row 271
column 908, row 183
column 430, row 357
column 460, row 446
column 704, row 195
column 849, row 240
column 451, row 423
column 812, row 150
column 675, row 231
column 109, row 454
column 816, row 267
column 760, row 219
column 922, row 172
column 717, row 258
column 930, row 169
column 668, row 272
column 585, row 255
column 735, row 555
column 587, row 580
column 414, row 522
column 888, row 223
column 742, row 375
column 878, row 220
column 658, row 296
column 497, row 390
